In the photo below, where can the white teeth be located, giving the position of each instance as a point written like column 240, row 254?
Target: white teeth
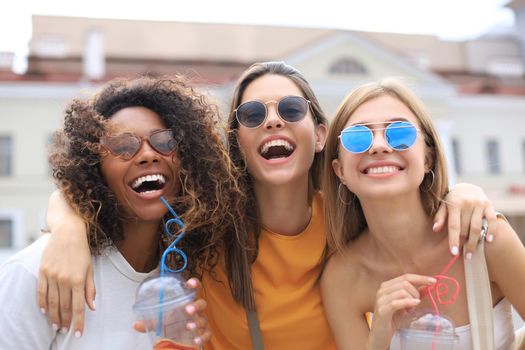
column 382, row 170
column 273, row 143
column 155, row 177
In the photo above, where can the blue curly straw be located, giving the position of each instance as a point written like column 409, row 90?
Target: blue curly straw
column 171, row 249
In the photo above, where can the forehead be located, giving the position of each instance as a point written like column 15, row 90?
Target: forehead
column 270, row 87
column 382, row 108
column 138, row 120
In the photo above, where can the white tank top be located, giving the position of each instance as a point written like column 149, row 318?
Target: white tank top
column 503, row 330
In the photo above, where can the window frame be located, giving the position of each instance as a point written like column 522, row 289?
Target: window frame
column 9, row 158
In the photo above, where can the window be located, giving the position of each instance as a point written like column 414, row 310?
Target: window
column 455, row 154
column 6, row 233
column 348, row 66
column 6, row 150
column 493, row 157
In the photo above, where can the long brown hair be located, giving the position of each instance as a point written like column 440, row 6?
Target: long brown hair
column 251, row 212
column 343, row 213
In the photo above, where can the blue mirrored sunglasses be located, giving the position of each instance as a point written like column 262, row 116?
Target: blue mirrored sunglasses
column 359, row 138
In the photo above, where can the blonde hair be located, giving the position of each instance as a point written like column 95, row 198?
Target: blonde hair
column 344, row 215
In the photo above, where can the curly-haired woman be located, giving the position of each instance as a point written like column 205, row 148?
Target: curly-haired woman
column 117, row 154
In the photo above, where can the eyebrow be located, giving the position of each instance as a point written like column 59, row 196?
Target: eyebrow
column 130, row 131
column 389, row 121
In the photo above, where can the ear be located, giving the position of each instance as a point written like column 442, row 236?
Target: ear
column 338, row 170
column 429, row 159
column 320, row 137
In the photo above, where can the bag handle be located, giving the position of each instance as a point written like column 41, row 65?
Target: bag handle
column 255, row 329
column 479, row 297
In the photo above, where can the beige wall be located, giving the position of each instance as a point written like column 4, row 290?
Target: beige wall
column 29, row 113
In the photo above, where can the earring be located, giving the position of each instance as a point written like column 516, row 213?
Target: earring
column 339, row 195
column 431, row 172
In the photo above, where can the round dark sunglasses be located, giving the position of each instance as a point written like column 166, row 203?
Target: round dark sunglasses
column 359, row 138
column 127, row 145
column 290, row 109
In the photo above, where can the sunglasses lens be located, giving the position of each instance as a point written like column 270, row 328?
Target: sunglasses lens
column 124, row 146
column 292, row 108
column 251, row 114
column 163, row 141
column 401, row 135
column 356, row 139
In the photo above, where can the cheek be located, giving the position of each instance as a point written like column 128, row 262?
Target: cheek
column 348, row 165
column 175, row 169
column 245, row 140
column 112, row 173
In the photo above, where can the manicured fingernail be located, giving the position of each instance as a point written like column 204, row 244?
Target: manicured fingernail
column 43, row 311
column 190, row 309
column 454, row 250
column 55, row 327
column 93, row 303
column 192, row 282
column 197, row 340
column 434, row 227
column 191, row 326
column 416, row 301
column 468, row 256
column 432, row 280
column 490, row 238
column 63, row 330
column 78, row 334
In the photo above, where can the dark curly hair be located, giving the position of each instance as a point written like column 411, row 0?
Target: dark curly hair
column 210, row 201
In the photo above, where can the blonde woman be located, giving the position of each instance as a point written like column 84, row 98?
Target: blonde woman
column 385, row 179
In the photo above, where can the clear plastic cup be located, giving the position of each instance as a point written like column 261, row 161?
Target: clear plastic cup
column 160, row 303
column 429, row 331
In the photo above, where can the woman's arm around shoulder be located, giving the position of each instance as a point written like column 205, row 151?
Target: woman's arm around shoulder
column 506, row 264
column 342, row 301
column 65, row 278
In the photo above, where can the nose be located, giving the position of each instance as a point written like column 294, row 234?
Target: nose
column 273, row 121
column 146, row 154
column 379, row 144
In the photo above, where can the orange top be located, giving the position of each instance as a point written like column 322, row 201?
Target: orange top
column 288, row 300
column 168, row 344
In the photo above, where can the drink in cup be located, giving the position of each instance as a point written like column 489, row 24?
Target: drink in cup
column 160, row 304
column 429, row 331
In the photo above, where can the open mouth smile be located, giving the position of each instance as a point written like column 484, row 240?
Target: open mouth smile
column 275, row 149
column 382, row 170
column 148, row 183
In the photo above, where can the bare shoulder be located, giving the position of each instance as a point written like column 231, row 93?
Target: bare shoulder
column 506, row 265
column 343, row 263
column 345, row 270
column 506, row 239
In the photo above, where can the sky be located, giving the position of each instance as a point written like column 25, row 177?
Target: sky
column 448, row 19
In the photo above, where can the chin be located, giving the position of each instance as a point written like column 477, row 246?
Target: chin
column 150, row 213
column 385, row 192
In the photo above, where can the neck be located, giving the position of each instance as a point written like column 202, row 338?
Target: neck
column 284, row 209
column 140, row 246
column 399, row 227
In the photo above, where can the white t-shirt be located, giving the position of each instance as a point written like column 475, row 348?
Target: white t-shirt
column 23, row 326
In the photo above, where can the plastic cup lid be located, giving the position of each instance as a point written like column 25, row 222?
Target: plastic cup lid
column 429, row 326
column 162, row 291
column 428, row 336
